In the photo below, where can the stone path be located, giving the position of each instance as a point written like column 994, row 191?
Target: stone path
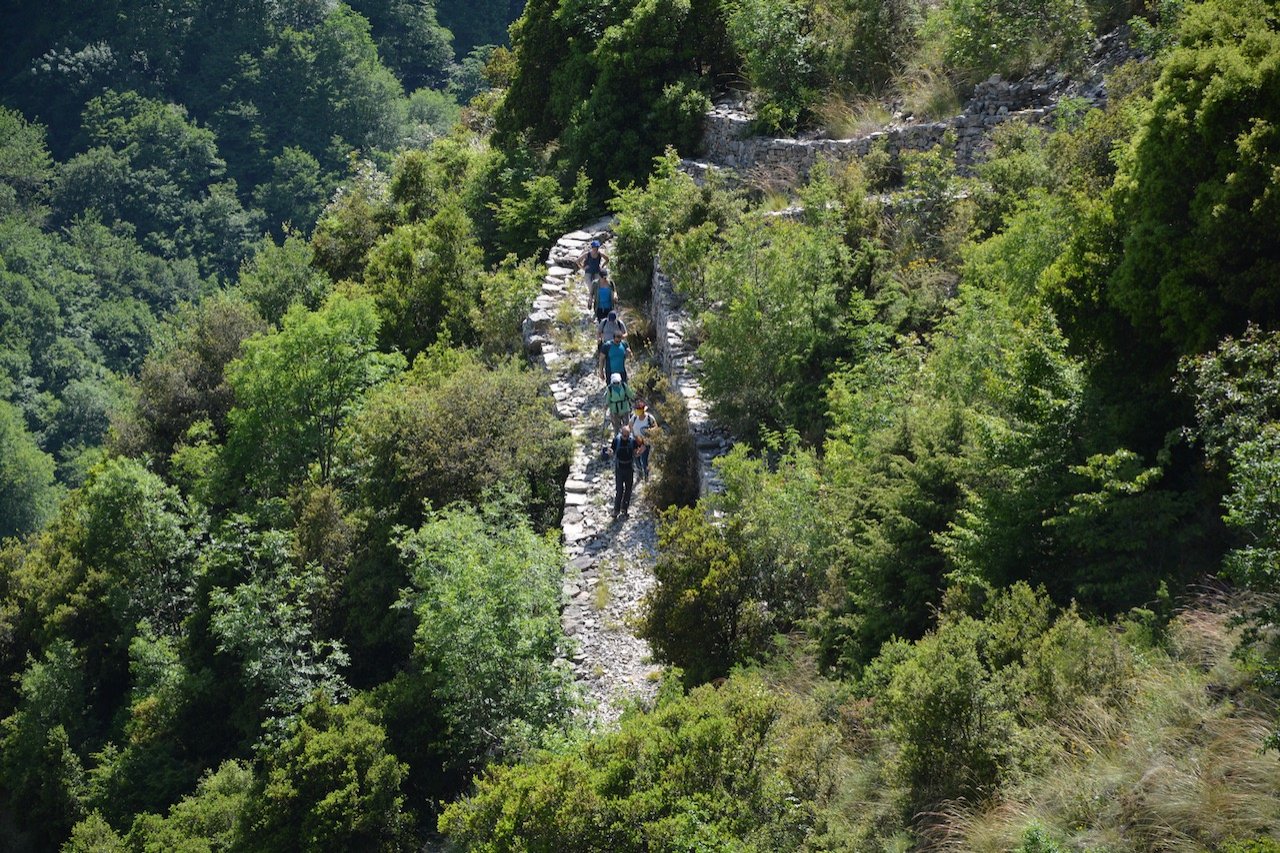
column 608, row 565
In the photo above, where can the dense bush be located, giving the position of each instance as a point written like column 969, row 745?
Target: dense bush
column 735, row 767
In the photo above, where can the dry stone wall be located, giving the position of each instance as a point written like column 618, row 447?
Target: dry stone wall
column 673, row 331
column 728, row 141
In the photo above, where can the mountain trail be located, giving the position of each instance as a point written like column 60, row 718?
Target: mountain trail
column 608, row 565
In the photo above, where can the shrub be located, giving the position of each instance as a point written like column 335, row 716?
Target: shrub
column 736, row 768
column 775, row 42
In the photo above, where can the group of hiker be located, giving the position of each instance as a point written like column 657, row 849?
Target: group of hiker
column 632, row 425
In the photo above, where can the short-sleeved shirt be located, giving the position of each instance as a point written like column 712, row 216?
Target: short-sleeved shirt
column 615, row 356
column 608, row 327
column 640, row 424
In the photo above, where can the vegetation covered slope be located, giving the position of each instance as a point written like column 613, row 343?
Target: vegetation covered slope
column 281, row 498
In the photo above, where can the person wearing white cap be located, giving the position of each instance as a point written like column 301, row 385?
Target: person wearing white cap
column 618, row 399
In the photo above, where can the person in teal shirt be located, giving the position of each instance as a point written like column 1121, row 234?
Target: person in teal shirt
column 613, row 357
column 602, row 297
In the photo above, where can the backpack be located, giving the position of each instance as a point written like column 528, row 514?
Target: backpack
column 619, row 403
column 624, row 449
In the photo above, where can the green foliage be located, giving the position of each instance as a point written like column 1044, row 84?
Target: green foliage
column 43, row 776
column 783, row 291
column 614, row 84
column 352, row 223
column 775, row 42
column 486, row 594
column 295, row 196
column 506, row 299
column 674, row 458
column 701, row 615
column 998, row 36
column 277, row 276
column 453, row 429
column 267, row 621
column 410, row 39
column 26, row 168
column 862, row 44
column 154, row 169
column 646, row 217
column 331, row 786
column 183, row 380
column 295, row 387
column 27, row 492
column 533, row 219
column 210, row 818
column 1237, row 397
column 1192, row 195
column 425, row 278
column 736, row 768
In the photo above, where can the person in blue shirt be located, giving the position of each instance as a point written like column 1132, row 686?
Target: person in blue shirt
column 613, row 357
column 603, row 298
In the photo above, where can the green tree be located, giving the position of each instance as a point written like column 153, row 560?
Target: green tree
column 425, row 278
column 295, row 387
column 183, row 380
column 447, row 431
column 774, row 38
column 267, row 621
column 26, row 168
column 332, row 785
column 27, row 492
column 735, row 768
column 1193, row 196
column 296, row 194
column 486, row 592
column 277, row 276
column 42, row 773
column 783, row 288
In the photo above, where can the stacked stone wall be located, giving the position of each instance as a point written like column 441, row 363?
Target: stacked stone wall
column 729, row 142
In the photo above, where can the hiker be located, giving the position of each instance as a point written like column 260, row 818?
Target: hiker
column 643, row 426
column 624, row 453
column 609, row 325
column 613, row 356
column 602, row 297
column 618, row 398
column 592, row 263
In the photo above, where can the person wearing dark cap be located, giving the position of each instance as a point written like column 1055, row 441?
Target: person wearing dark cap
column 613, row 356
column 592, row 263
column 609, row 325
column 624, row 479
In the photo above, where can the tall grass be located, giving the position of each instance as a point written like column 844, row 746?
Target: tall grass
column 1176, row 765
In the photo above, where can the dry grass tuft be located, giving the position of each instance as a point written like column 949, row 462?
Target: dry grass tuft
column 844, row 118
column 1174, row 765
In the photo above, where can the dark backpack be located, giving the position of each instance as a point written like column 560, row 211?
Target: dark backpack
column 624, row 450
